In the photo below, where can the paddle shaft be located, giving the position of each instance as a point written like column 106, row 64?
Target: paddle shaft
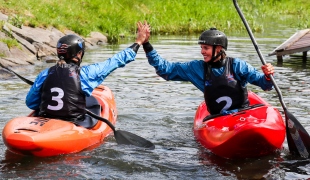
column 297, row 137
column 101, row 119
column 21, row 77
column 259, row 53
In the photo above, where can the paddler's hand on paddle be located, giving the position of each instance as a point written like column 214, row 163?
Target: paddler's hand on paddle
column 143, row 31
column 268, row 69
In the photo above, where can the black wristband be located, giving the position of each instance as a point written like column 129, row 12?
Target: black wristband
column 147, row 47
column 135, row 47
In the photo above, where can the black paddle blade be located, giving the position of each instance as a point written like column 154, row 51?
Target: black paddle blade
column 297, row 137
column 124, row 137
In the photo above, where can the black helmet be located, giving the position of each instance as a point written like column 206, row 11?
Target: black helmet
column 69, row 45
column 213, row 37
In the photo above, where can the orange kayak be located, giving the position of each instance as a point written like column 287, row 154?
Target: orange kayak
column 50, row 137
column 256, row 131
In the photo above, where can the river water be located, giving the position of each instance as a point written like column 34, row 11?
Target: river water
column 163, row 113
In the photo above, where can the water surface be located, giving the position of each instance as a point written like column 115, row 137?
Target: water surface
column 163, row 112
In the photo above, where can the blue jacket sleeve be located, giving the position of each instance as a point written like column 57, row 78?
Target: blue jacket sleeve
column 94, row 74
column 33, row 98
column 247, row 73
column 177, row 71
column 91, row 76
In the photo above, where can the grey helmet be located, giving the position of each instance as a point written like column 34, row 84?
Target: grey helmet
column 213, row 37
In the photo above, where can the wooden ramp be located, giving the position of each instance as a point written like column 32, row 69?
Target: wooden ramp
column 299, row 42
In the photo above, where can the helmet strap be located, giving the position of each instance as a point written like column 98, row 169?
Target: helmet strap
column 213, row 52
column 215, row 57
column 82, row 56
column 79, row 60
column 219, row 63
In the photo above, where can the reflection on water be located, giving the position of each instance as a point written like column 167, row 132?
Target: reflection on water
column 162, row 112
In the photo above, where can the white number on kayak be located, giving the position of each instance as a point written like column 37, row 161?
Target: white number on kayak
column 228, row 102
column 57, row 98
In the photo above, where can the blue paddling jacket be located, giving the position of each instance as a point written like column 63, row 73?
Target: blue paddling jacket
column 193, row 71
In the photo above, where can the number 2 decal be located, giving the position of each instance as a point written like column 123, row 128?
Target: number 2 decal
column 228, row 102
column 57, row 98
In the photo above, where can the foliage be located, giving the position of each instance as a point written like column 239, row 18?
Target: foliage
column 16, row 21
column 10, row 43
column 117, row 18
column 1, row 25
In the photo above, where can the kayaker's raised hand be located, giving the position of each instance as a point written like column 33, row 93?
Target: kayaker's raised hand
column 142, row 33
column 268, row 69
column 148, row 34
column 146, row 44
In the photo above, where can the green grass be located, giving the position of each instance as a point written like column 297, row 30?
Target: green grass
column 11, row 43
column 117, row 18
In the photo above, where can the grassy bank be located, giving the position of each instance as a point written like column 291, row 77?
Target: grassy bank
column 117, row 18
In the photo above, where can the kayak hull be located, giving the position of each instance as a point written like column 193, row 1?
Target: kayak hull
column 50, row 137
column 255, row 132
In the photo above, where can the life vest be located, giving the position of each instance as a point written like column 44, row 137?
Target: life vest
column 61, row 94
column 223, row 92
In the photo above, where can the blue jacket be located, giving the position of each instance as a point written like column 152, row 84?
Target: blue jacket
column 193, row 71
column 91, row 76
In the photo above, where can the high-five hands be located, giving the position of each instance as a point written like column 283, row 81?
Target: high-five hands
column 148, row 34
column 143, row 32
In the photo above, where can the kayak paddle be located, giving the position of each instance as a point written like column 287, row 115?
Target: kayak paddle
column 297, row 137
column 121, row 137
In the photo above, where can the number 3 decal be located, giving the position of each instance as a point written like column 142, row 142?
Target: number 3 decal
column 57, row 98
column 228, row 102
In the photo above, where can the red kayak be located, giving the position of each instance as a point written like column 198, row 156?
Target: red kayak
column 43, row 137
column 258, row 130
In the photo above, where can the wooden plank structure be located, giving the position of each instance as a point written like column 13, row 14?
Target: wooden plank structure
column 299, row 42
